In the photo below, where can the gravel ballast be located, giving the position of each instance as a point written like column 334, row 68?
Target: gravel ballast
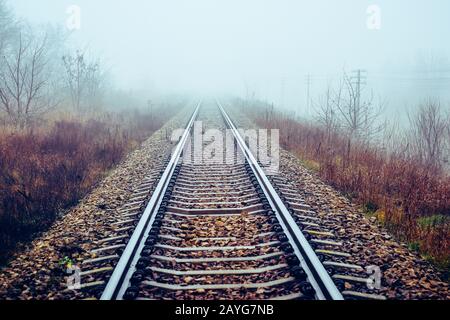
column 38, row 271
column 405, row 274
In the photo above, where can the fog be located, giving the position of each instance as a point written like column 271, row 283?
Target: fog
column 263, row 48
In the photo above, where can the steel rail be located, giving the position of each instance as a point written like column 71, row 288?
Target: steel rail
column 317, row 275
column 118, row 283
column 120, row 279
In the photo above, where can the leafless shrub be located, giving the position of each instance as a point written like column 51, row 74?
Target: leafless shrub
column 84, row 79
column 429, row 134
column 51, row 168
column 8, row 27
column 358, row 115
column 406, row 194
column 24, row 81
column 326, row 110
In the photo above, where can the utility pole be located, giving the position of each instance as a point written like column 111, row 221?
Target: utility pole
column 308, row 90
column 283, row 85
column 150, row 109
column 359, row 79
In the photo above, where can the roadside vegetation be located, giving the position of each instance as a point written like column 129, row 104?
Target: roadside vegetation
column 63, row 125
column 400, row 176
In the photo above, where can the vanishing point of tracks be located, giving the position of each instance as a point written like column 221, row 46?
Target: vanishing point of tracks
column 208, row 230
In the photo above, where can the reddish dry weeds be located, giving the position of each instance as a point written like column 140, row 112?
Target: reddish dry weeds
column 48, row 169
column 410, row 198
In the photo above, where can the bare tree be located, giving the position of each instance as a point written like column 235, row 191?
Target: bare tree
column 84, row 80
column 359, row 115
column 429, row 128
column 8, row 27
column 326, row 110
column 347, row 111
column 344, row 108
column 23, row 81
column 446, row 138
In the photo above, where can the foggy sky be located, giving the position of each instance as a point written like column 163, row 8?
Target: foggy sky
column 208, row 46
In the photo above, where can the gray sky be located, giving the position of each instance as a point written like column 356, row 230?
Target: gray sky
column 209, row 46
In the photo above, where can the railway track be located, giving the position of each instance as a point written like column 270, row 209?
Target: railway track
column 208, row 230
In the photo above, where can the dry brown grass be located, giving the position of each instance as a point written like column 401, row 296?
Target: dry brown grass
column 48, row 168
column 410, row 198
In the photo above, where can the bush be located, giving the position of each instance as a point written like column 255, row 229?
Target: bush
column 49, row 169
column 410, row 197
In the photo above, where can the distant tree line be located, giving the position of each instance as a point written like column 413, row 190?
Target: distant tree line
column 342, row 110
column 39, row 73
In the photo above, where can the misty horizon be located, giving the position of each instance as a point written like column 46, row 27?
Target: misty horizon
column 224, row 150
column 263, row 49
